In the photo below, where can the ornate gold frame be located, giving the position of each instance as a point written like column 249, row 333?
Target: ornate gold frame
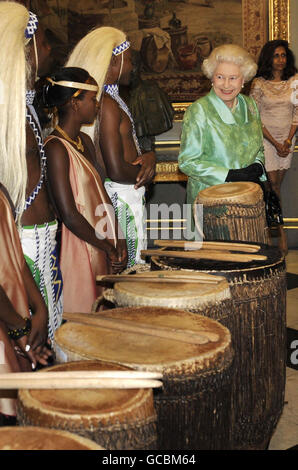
column 261, row 20
column 279, row 19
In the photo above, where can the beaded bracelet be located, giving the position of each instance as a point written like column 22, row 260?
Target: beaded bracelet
column 18, row 333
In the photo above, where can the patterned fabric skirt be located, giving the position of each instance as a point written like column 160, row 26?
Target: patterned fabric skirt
column 129, row 206
column 39, row 247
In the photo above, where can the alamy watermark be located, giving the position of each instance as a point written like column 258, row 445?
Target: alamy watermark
column 161, row 221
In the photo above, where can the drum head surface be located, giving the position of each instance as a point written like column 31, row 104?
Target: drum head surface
column 84, row 401
column 237, row 192
column 144, row 351
column 180, row 294
column 37, row 438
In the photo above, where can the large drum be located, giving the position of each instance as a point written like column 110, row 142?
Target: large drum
column 38, row 438
column 195, row 292
column 193, row 406
column 115, row 419
column 233, row 211
column 257, row 322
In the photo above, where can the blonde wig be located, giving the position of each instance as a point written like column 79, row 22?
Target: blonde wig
column 93, row 53
column 230, row 53
column 14, row 71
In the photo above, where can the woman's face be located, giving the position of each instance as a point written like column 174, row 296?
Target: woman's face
column 279, row 60
column 89, row 107
column 227, row 82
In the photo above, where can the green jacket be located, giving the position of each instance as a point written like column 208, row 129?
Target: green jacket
column 215, row 140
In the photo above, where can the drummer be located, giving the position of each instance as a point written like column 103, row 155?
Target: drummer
column 221, row 137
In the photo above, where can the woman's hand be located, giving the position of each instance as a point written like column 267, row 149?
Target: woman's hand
column 113, row 256
column 44, row 353
column 282, row 150
column 39, row 329
column 24, row 349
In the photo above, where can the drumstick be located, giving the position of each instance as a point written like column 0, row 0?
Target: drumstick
column 90, row 374
column 201, row 254
column 157, row 278
column 175, row 334
column 229, row 246
column 38, row 380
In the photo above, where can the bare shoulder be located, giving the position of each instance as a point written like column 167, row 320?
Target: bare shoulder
column 54, row 148
column 109, row 108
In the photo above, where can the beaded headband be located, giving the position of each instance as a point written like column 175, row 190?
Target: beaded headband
column 31, row 27
column 82, row 86
column 121, row 48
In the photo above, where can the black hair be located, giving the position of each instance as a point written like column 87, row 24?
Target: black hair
column 56, row 95
column 265, row 61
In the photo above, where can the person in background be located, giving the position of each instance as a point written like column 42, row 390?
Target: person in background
column 273, row 89
column 222, row 137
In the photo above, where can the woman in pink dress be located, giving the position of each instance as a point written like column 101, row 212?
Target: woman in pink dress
column 274, row 92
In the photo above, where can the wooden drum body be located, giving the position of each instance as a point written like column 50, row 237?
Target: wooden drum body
column 37, row 438
column 233, row 211
column 113, row 418
column 257, row 322
column 193, row 406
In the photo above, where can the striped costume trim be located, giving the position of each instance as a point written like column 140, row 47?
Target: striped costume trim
column 121, row 48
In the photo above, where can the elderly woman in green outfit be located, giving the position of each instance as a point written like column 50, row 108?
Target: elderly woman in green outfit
column 221, row 137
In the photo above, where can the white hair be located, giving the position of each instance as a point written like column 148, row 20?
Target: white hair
column 93, row 53
column 14, row 71
column 230, row 53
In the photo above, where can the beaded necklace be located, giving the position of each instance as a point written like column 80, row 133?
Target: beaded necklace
column 113, row 91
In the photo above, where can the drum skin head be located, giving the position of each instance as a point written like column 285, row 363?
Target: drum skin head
column 182, row 294
column 38, row 438
column 145, row 352
column 237, row 192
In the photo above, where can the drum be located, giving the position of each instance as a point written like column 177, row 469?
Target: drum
column 257, row 322
column 115, row 419
column 195, row 292
column 193, row 406
column 38, row 438
column 233, row 211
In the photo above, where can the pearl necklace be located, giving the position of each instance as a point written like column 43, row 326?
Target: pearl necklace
column 78, row 144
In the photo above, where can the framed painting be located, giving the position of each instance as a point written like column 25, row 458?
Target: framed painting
column 172, row 36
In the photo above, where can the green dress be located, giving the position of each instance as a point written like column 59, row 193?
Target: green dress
column 214, row 140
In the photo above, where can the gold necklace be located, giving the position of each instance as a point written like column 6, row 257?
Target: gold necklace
column 78, row 144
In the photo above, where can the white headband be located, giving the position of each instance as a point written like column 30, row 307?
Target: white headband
column 81, row 86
